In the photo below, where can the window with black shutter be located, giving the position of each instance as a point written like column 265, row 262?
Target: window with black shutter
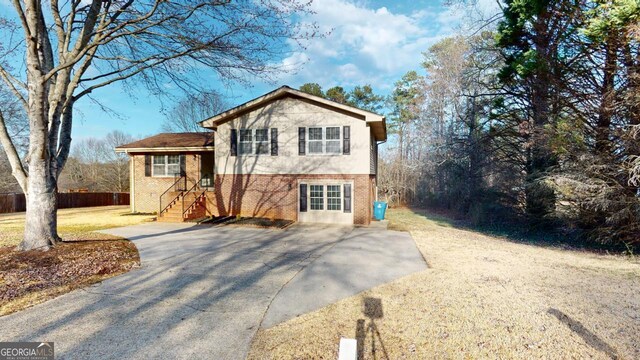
column 234, row 142
column 347, row 198
column 183, row 165
column 147, row 165
column 346, row 140
column 274, row 142
column 303, row 197
column 302, row 144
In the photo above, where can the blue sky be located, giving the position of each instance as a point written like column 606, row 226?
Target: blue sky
column 370, row 42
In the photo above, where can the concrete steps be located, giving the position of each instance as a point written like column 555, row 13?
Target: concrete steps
column 197, row 209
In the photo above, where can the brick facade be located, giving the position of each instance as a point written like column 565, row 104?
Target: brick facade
column 146, row 190
column 268, row 196
column 276, row 196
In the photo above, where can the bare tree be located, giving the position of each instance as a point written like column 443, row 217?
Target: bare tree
column 188, row 112
column 16, row 125
column 97, row 167
column 72, row 49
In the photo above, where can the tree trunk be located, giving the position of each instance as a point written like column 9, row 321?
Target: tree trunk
column 40, row 230
column 540, row 198
column 607, row 97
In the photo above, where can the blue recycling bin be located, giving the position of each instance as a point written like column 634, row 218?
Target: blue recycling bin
column 379, row 208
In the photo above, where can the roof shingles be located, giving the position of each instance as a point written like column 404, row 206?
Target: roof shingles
column 172, row 140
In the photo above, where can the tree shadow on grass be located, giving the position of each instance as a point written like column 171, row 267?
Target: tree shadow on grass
column 589, row 337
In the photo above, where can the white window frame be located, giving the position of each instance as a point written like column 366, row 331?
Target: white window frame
column 340, row 197
column 310, row 206
column 324, row 140
column 241, row 142
column 265, row 143
column 254, row 142
column 166, row 165
column 325, row 197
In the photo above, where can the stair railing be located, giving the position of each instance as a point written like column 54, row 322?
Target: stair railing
column 176, row 186
column 194, row 188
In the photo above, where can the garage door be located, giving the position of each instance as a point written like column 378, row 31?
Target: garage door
column 325, row 202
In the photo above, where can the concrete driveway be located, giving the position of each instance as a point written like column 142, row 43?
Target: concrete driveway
column 202, row 292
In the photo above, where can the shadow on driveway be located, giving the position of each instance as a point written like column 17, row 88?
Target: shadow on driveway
column 201, row 292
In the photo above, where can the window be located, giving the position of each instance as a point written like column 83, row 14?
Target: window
column 262, row 141
column 246, row 142
column 254, row 142
column 166, row 165
column 325, row 140
column 334, row 198
column 315, row 141
column 316, row 194
column 332, row 143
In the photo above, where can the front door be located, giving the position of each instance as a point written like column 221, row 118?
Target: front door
column 206, row 169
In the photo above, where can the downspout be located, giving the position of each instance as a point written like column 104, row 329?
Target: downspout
column 132, row 183
column 378, row 143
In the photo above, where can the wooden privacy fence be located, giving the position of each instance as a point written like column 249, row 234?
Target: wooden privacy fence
column 16, row 202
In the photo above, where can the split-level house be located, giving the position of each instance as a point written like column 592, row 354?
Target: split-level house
column 284, row 155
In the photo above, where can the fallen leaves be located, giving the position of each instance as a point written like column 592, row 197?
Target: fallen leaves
column 30, row 277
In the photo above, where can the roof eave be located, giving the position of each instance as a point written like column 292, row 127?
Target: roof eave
column 213, row 122
column 164, row 149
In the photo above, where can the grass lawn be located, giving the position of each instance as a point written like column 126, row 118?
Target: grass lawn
column 483, row 297
column 85, row 257
column 73, row 224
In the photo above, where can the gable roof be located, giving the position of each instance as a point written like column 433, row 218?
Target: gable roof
column 171, row 141
column 373, row 120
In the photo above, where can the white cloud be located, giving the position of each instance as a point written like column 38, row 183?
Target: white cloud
column 364, row 45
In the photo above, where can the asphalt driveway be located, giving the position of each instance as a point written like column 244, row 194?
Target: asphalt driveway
column 202, row 292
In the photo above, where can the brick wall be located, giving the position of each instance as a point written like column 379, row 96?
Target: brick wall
column 276, row 196
column 269, row 196
column 146, row 190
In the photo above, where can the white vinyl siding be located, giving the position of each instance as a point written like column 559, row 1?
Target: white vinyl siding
column 373, row 157
column 288, row 115
column 165, row 165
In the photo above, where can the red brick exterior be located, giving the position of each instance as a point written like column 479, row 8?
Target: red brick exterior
column 276, row 196
column 268, row 196
column 146, row 190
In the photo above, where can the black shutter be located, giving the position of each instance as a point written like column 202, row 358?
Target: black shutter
column 183, row 165
column 347, row 198
column 302, row 145
column 234, row 142
column 147, row 165
column 274, row 142
column 346, row 140
column 303, row 197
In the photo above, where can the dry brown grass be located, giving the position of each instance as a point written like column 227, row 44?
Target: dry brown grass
column 73, row 224
column 483, row 297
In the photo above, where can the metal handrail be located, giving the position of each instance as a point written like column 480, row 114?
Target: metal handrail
column 196, row 185
column 193, row 203
column 166, row 191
